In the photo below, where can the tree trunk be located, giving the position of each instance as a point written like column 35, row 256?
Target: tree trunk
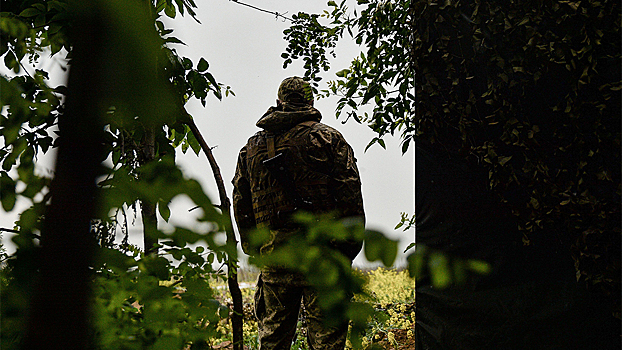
column 148, row 209
column 59, row 313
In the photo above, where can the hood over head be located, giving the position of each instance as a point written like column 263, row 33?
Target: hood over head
column 286, row 116
column 295, row 89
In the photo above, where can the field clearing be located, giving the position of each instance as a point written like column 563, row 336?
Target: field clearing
column 390, row 291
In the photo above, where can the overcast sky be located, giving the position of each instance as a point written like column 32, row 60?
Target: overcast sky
column 243, row 47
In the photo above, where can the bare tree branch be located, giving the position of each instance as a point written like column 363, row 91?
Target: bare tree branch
column 225, row 205
column 2, row 229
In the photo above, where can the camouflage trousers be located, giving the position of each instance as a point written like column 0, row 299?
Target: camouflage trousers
column 277, row 307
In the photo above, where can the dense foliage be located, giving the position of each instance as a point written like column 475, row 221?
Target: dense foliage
column 380, row 76
column 527, row 90
column 139, row 103
column 531, row 91
column 126, row 94
column 31, row 29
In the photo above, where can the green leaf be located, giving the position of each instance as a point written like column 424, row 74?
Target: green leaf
column 194, row 258
column 378, row 247
column 160, row 25
column 203, row 65
column 211, row 79
column 194, row 143
column 114, row 258
column 40, row 6
column 173, row 40
column 30, row 12
column 10, row 133
column 342, row 73
column 187, row 63
column 479, row 266
column 40, row 20
column 416, row 262
column 382, row 144
column 7, row 192
column 371, row 143
column 10, row 61
column 157, row 266
column 405, row 146
column 180, row 6
column 164, row 210
column 170, row 11
column 199, row 86
column 18, row 147
column 182, row 235
column 28, row 219
column 503, row 160
column 439, row 270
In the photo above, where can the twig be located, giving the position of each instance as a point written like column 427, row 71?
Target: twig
column 2, row 229
column 21, row 65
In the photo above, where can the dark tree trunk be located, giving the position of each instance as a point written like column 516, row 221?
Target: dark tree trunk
column 148, row 209
column 59, row 308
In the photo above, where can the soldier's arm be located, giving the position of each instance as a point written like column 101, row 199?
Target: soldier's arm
column 347, row 181
column 242, row 202
column 333, row 156
column 347, row 191
column 330, row 154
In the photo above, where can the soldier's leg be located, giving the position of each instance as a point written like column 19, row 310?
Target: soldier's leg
column 320, row 337
column 276, row 309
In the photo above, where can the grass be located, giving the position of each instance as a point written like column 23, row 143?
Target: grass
column 390, row 291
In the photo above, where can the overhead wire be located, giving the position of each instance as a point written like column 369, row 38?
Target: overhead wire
column 278, row 15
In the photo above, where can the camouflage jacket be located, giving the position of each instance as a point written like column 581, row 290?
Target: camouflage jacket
column 319, row 160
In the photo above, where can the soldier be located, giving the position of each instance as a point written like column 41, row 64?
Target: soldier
column 321, row 176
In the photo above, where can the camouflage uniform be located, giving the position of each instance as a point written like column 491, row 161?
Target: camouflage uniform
column 324, row 171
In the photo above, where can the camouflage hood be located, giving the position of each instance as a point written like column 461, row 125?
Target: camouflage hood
column 288, row 115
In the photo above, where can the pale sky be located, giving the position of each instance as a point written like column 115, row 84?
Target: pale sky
column 243, row 47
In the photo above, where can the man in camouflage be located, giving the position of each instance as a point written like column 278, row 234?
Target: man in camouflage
column 323, row 169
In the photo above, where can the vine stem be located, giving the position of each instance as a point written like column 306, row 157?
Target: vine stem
column 225, row 207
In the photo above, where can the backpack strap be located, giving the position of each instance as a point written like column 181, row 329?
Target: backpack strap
column 270, row 145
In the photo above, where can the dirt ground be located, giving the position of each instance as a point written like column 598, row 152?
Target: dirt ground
column 401, row 337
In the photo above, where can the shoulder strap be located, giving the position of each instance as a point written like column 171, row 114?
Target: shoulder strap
column 270, row 145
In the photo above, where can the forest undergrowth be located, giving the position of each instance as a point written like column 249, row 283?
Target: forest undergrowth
column 391, row 292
